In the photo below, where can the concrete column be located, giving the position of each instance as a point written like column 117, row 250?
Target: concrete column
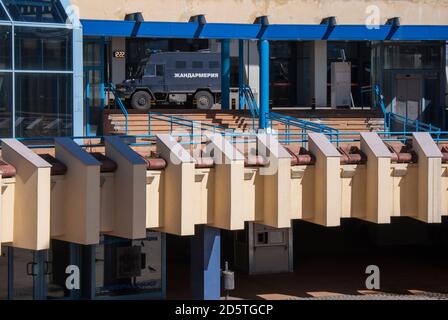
column 78, row 66
column 319, row 73
column 253, row 68
column 225, row 74
column 206, row 263
column 241, row 74
column 118, row 64
column 264, row 84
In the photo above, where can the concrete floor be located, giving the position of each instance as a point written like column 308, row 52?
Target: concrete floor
column 407, row 275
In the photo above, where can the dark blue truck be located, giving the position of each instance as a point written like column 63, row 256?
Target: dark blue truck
column 174, row 77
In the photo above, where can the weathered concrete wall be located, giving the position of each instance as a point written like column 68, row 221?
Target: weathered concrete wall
column 431, row 12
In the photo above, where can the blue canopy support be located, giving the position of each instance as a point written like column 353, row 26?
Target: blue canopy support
column 286, row 32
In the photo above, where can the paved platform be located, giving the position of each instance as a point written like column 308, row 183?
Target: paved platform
column 420, row 276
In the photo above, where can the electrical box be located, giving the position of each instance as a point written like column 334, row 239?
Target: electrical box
column 341, row 84
column 264, row 250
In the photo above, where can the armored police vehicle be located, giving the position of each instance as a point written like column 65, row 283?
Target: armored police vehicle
column 174, row 77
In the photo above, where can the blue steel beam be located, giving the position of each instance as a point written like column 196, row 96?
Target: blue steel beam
column 188, row 30
column 264, row 84
column 107, row 28
column 241, row 74
column 225, row 74
column 206, row 263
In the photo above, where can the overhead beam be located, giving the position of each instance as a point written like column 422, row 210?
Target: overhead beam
column 291, row 32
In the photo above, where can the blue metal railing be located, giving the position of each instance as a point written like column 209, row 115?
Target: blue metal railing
column 408, row 124
column 304, row 125
column 251, row 102
column 234, row 138
column 120, row 104
column 183, row 122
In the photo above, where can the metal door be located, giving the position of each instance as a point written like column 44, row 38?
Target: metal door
column 94, row 95
column 94, row 100
column 27, row 274
column 408, row 96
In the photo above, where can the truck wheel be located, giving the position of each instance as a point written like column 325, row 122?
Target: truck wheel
column 141, row 100
column 204, row 100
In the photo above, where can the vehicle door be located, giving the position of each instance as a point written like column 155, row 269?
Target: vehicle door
column 154, row 77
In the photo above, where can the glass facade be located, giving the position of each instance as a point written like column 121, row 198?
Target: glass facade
column 283, row 73
column 116, row 267
column 43, row 49
column 5, row 47
column 411, row 75
column 43, row 104
column 3, row 15
column 358, row 53
column 47, row 11
column 36, row 70
column 5, row 104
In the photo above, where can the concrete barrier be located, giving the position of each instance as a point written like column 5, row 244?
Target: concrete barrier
column 31, row 219
column 178, row 188
column 80, row 201
column 429, row 178
column 129, row 192
column 327, row 182
column 379, row 182
column 228, row 211
column 276, row 200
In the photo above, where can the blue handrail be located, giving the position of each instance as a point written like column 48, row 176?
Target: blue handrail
column 249, row 99
column 118, row 102
column 179, row 121
column 304, row 125
column 236, row 137
column 390, row 117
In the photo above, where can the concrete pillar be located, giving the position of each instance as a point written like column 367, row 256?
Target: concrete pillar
column 118, row 64
column 264, row 84
column 253, row 68
column 319, row 73
column 241, row 74
column 206, row 263
column 225, row 74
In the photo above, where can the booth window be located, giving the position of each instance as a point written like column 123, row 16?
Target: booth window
column 43, row 49
column 5, row 104
column 5, row 47
column 49, row 11
column 43, row 104
column 3, row 15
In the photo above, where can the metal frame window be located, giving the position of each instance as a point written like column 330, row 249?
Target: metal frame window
column 54, row 62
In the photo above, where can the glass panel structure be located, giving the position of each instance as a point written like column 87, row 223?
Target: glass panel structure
column 411, row 75
column 4, row 273
column 5, row 47
column 43, row 49
column 43, row 104
column 129, row 267
column 3, row 15
column 6, row 104
column 47, row 11
column 36, row 69
column 358, row 53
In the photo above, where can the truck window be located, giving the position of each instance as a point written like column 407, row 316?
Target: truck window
column 213, row 64
column 197, row 65
column 181, row 64
column 159, row 70
column 154, row 70
column 150, row 70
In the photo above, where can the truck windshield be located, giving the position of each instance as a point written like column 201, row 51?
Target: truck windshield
column 138, row 74
column 139, row 71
